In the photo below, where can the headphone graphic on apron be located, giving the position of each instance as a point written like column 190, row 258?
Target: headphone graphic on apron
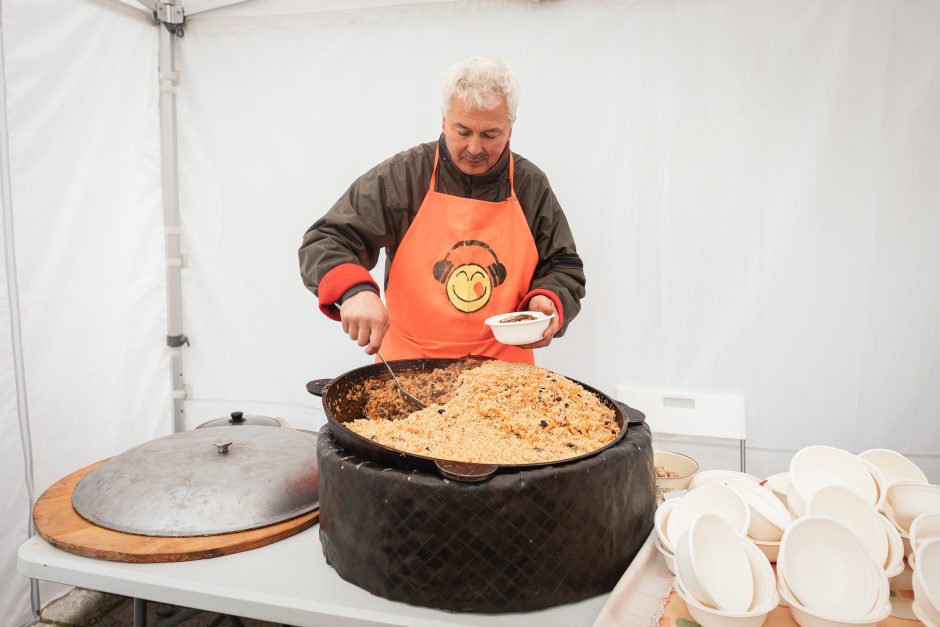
column 443, row 267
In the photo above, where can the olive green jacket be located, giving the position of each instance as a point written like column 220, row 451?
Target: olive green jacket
column 377, row 209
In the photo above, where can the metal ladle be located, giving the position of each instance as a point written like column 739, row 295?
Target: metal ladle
column 405, row 395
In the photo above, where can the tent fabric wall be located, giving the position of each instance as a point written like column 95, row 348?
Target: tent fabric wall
column 81, row 84
column 753, row 186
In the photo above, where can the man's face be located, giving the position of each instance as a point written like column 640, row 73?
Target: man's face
column 476, row 138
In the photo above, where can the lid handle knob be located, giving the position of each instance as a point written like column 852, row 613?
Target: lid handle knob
column 238, row 416
column 222, row 445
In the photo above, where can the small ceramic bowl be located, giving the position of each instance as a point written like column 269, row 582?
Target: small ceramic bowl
column 519, row 327
column 683, row 465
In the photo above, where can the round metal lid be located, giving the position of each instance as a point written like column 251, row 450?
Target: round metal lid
column 203, row 482
column 241, row 419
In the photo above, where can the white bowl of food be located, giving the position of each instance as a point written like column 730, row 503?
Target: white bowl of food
column 893, row 466
column 519, row 327
column 828, row 570
column 769, row 518
column 674, row 471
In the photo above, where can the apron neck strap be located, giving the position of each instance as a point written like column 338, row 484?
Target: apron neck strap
column 512, row 184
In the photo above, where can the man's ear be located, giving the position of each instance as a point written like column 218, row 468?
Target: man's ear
column 442, row 122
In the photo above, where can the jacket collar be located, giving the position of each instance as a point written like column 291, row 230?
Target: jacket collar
column 499, row 170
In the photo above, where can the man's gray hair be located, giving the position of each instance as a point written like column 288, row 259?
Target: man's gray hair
column 482, row 83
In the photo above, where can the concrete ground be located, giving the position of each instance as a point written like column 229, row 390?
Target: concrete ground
column 84, row 608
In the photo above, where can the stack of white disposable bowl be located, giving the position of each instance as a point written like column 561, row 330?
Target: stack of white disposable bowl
column 926, row 580
column 723, row 578
column 676, row 515
column 817, row 467
column 925, row 527
column 907, row 500
column 828, row 578
column 769, row 517
column 879, row 537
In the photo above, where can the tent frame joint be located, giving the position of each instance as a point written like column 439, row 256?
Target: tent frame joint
column 175, row 341
column 170, row 15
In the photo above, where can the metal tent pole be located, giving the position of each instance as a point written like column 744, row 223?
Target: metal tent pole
column 169, row 161
column 16, row 334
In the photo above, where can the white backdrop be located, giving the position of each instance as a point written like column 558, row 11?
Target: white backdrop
column 754, row 187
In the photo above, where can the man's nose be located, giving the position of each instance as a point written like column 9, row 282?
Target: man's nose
column 476, row 146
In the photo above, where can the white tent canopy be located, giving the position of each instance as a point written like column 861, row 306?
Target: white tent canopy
column 754, row 188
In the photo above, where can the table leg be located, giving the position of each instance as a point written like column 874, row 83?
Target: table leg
column 140, row 612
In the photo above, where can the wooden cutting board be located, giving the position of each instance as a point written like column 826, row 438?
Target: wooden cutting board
column 61, row 526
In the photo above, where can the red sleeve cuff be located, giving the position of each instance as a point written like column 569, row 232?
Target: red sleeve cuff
column 552, row 297
column 336, row 282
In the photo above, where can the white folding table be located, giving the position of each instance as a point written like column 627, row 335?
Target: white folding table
column 286, row 582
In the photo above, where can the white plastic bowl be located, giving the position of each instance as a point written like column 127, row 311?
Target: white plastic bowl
column 921, row 616
column 828, row 569
column 771, row 550
column 660, row 518
column 816, row 467
column 881, row 484
column 779, row 484
column 893, row 466
column 668, row 557
column 847, row 507
column 769, row 518
column 923, row 528
column 685, row 572
column 522, row 332
column 927, row 579
column 894, row 563
column 720, row 563
column 811, row 618
column 711, row 617
column 709, row 477
column 907, row 500
column 711, row 499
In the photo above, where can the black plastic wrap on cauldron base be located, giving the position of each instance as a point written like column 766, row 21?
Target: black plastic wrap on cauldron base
column 517, row 542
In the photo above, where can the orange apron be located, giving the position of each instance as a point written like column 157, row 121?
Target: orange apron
column 460, row 262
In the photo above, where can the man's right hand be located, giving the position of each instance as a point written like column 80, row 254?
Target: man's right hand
column 365, row 320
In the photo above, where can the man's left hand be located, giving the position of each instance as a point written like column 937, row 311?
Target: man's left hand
column 547, row 307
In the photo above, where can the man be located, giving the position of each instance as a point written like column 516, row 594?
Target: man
column 470, row 230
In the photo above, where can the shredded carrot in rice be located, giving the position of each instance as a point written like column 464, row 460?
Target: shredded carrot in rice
column 500, row 413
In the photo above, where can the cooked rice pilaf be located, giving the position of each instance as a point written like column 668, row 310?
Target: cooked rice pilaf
column 502, row 413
